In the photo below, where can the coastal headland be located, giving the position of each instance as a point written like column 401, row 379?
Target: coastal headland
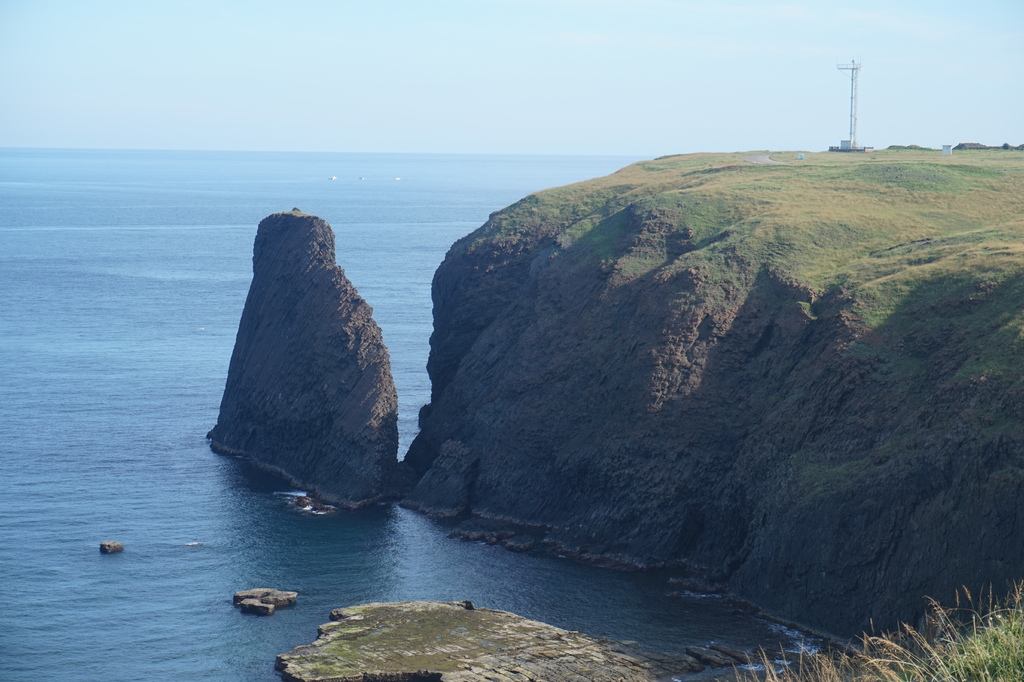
column 800, row 382
column 797, row 382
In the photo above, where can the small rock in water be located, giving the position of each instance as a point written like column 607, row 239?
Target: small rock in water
column 263, row 600
column 279, row 598
column 518, row 543
column 111, row 547
column 313, row 505
column 740, row 656
column 710, row 657
column 257, row 607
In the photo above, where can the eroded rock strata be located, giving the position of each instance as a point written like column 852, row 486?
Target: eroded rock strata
column 800, row 382
column 309, row 392
column 421, row 641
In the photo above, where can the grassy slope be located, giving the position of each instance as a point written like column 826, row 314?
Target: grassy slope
column 880, row 225
column 901, row 231
column 929, row 248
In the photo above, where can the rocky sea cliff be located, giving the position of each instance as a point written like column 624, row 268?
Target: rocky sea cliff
column 798, row 382
column 309, row 392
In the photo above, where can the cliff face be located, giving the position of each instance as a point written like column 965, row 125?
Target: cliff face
column 309, row 393
column 800, row 382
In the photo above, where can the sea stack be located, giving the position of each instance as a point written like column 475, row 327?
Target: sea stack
column 309, row 392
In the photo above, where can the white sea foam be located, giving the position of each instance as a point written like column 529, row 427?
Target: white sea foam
column 797, row 642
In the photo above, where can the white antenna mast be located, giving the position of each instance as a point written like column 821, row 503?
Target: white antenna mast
column 854, row 68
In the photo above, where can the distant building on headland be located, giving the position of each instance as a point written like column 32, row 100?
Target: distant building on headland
column 847, row 146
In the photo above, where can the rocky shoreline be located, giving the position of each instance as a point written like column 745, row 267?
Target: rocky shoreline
column 457, row 642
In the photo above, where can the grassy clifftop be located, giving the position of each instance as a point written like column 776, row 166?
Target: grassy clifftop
column 928, row 247
column 886, row 227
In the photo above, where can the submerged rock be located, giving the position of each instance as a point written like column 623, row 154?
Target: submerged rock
column 111, row 547
column 714, row 657
column 312, row 505
column 309, row 392
column 454, row 642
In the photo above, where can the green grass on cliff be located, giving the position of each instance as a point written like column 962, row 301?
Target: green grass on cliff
column 958, row 645
column 832, row 218
column 926, row 251
column 920, row 241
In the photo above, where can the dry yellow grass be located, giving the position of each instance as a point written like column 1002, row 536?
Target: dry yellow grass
column 966, row 643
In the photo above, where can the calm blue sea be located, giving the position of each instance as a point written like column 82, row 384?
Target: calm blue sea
column 122, row 279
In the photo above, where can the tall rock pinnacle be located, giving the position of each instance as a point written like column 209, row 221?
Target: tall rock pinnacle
column 309, row 393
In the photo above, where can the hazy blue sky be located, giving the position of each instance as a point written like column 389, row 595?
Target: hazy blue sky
column 637, row 77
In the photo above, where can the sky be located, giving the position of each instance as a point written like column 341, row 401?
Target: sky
column 642, row 78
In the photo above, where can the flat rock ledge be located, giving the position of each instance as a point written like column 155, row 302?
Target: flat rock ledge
column 454, row 642
column 263, row 601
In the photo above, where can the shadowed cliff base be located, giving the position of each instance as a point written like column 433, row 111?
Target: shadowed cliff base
column 800, row 381
column 309, row 393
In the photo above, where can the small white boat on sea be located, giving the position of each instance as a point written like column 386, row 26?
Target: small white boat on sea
column 333, row 177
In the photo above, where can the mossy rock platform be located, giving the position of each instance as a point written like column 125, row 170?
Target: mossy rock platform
column 446, row 641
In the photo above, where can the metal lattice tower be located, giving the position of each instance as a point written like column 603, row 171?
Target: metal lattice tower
column 854, row 68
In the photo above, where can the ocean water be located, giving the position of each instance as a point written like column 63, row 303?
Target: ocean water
column 123, row 275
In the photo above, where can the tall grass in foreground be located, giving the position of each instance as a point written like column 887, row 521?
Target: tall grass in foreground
column 960, row 644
